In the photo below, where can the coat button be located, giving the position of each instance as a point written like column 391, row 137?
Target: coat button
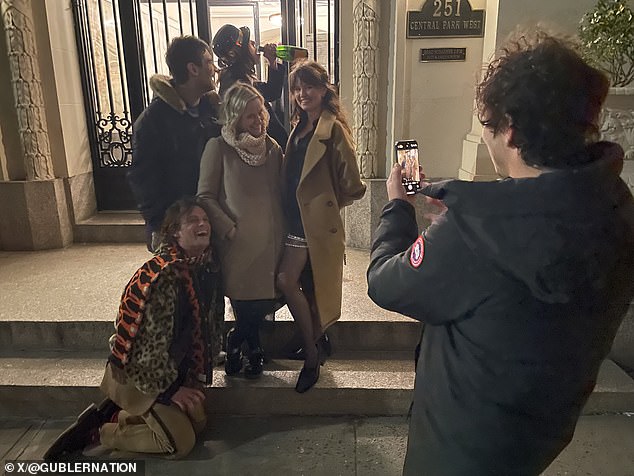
column 329, row 203
column 333, row 230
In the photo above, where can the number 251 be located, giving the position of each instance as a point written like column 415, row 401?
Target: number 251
column 447, row 10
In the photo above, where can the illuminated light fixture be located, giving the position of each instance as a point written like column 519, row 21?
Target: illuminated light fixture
column 276, row 19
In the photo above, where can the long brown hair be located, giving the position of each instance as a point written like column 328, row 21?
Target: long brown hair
column 314, row 74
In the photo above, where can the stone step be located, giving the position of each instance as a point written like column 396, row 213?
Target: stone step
column 111, row 227
column 81, row 336
column 63, row 384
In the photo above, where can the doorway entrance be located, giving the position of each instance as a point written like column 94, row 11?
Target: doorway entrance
column 122, row 43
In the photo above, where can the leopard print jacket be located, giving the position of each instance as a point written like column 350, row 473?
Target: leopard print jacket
column 152, row 365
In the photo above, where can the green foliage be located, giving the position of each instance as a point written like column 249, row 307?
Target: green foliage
column 607, row 37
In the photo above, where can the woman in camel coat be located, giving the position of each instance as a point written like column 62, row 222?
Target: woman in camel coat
column 321, row 177
column 240, row 185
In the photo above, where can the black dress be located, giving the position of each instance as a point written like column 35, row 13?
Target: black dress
column 294, row 164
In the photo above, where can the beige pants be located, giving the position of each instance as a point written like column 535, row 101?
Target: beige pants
column 162, row 430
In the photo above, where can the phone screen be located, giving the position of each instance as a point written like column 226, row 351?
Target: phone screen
column 407, row 157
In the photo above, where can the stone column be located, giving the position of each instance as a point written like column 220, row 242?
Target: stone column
column 365, row 77
column 365, row 80
column 476, row 162
column 618, row 126
column 33, row 212
column 25, row 80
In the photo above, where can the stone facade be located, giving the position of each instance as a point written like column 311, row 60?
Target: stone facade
column 618, row 126
column 33, row 212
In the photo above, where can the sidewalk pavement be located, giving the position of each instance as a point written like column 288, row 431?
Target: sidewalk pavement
column 603, row 445
column 85, row 282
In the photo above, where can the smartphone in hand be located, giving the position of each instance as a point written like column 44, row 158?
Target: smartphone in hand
column 406, row 153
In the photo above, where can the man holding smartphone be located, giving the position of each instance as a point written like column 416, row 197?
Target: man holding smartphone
column 522, row 283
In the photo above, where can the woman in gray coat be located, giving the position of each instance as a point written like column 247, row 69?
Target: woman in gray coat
column 240, row 186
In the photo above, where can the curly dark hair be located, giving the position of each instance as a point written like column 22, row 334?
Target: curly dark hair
column 181, row 51
column 542, row 88
column 173, row 216
column 314, row 74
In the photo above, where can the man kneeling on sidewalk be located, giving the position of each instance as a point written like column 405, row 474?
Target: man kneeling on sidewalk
column 168, row 325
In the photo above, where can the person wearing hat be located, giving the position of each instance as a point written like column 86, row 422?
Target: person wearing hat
column 237, row 56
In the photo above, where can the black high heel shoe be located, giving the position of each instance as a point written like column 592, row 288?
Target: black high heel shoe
column 308, row 377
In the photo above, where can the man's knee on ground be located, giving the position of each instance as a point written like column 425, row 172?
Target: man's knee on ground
column 184, row 444
column 177, row 429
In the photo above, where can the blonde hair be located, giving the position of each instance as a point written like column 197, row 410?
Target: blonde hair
column 235, row 102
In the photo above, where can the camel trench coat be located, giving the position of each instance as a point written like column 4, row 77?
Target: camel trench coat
column 249, row 198
column 329, row 181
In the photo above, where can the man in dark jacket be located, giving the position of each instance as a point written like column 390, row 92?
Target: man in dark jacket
column 170, row 135
column 522, row 283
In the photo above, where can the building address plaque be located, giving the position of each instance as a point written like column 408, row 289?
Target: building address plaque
column 445, row 19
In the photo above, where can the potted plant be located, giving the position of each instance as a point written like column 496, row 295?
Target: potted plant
column 607, row 41
column 607, row 38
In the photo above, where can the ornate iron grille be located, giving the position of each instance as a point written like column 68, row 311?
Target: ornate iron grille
column 103, row 26
column 121, row 43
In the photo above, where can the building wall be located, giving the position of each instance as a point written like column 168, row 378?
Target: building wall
column 438, row 103
column 430, row 102
column 434, row 102
column 65, row 112
column 563, row 14
column 70, row 123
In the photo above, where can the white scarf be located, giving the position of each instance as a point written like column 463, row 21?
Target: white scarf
column 252, row 150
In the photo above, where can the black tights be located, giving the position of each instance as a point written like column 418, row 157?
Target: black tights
column 300, row 300
column 249, row 315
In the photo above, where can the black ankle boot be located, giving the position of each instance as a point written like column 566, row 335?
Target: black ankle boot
column 77, row 435
column 233, row 360
column 323, row 343
column 253, row 369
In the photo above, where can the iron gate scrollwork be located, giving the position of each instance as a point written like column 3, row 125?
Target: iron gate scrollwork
column 114, row 136
column 121, row 43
